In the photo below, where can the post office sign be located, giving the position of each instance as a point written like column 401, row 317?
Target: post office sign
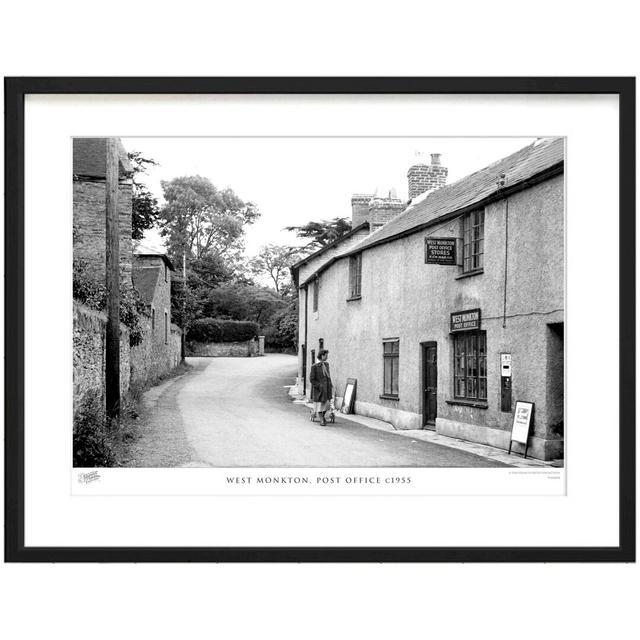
column 465, row 320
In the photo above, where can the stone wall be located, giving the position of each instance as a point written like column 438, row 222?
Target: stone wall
column 151, row 359
column 244, row 349
column 89, row 348
column 140, row 364
column 89, row 226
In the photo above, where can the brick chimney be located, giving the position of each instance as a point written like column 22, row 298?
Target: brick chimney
column 424, row 177
column 376, row 209
column 383, row 208
column 360, row 208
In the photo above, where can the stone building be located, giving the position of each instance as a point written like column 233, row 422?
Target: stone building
column 160, row 348
column 157, row 353
column 89, row 180
column 449, row 342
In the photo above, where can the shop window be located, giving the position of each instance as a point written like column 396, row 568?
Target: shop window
column 473, row 241
column 470, row 365
column 391, row 362
column 316, row 292
column 355, row 275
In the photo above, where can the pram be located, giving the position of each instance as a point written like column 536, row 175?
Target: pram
column 330, row 415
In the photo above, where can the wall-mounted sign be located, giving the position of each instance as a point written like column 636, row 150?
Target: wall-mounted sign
column 440, row 251
column 521, row 424
column 465, row 320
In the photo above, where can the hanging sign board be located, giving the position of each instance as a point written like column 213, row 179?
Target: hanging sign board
column 349, row 396
column 440, row 251
column 521, row 424
column 465, row 320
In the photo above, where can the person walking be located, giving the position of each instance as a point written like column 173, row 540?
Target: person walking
column 321, row 386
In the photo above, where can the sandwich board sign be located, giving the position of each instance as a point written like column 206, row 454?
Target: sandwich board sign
column 349, row 396
column 521, row 424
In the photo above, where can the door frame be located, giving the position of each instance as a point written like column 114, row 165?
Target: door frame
column 423, row 383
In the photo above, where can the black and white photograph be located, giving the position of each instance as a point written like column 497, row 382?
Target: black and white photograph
column 289, row 302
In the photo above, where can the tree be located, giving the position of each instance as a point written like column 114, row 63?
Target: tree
column 322, row 233
column 145, row 209
column 274, row 261
column 200, row 220
column 240, row 301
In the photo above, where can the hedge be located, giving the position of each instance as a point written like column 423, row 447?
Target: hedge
column 214, row 330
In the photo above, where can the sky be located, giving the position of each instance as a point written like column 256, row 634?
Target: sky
column 295, row 180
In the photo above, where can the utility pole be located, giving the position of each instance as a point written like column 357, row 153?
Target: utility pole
column 112, row 243
column 184, row 303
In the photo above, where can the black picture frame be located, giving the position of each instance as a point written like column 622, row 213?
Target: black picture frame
column 15, row 91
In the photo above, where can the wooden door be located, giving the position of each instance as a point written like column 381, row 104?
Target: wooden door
column 430, row 384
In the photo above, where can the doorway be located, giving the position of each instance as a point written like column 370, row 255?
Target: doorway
column 429, row 385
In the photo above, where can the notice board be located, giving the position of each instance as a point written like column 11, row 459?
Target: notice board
column 349, row 396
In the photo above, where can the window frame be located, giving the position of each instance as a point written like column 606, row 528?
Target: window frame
column 473, row 241
column 461, row 364
column 355, row 276
column 393, row 357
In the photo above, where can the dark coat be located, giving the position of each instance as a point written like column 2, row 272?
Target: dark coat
column 321, row 386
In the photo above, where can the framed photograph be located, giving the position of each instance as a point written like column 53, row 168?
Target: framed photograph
column 199, row 270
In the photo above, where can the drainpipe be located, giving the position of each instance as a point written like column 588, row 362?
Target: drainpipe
column 304, row 357
column 501, row 182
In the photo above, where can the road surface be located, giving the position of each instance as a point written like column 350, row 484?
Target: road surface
column 236, row 412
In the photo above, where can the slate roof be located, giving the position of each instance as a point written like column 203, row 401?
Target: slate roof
column 542, row 155
column 89, row 158
column 143, row 252
column 319, row 252
column 145, row 280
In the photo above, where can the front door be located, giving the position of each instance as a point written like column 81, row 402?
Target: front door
column 430, row 384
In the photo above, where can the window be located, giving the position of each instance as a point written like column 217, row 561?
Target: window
column 473, row 241
column 165, row 272
column 316, row 290
column 166, row 327
column 355, row 275
column 153, row 318
column 391, row 358
column 470, row 365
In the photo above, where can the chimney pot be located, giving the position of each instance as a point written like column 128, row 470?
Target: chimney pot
column 435, row 158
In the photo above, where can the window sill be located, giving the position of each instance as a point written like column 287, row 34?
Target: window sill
column 478, row 404
column 469, row 274
column 352, row 298
column 389, row 396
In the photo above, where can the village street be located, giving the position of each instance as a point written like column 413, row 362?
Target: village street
column 236, row 412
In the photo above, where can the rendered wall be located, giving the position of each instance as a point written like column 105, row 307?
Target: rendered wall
column 404, row 298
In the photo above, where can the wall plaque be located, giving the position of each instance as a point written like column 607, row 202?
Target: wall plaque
column 440, row 251
column 465, row 320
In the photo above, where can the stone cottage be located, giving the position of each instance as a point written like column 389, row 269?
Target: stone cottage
column 160, row 349
column 449, row 309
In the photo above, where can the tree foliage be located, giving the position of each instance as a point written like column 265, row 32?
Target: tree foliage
column 201, row 220
column 145, row 209
column 322, row 233
column 274, row 261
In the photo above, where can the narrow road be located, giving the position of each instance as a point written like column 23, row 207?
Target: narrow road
column 235, row 412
